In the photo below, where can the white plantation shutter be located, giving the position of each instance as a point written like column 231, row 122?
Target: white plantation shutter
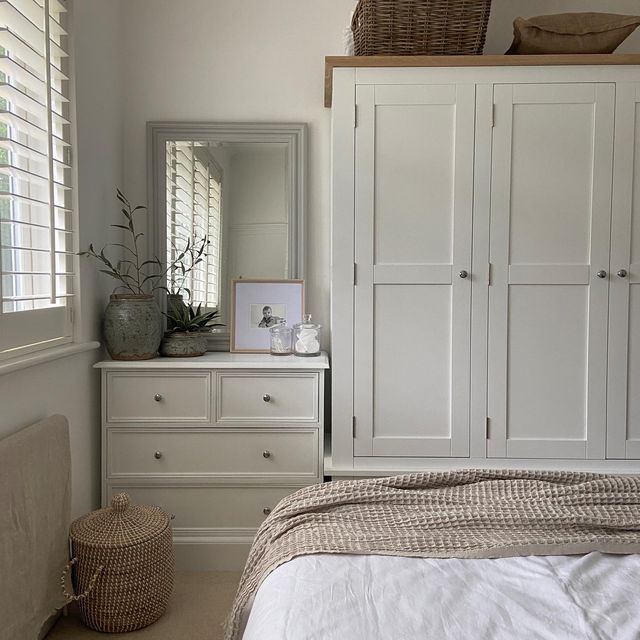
column 36, row 234
column 194, row 199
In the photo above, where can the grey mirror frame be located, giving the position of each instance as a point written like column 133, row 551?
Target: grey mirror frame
column 294, row 135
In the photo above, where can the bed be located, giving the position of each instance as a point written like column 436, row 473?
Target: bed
column 447, row 555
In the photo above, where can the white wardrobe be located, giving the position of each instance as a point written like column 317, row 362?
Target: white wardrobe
column 485, row 268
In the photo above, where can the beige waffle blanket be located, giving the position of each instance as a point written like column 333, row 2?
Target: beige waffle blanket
column 460, row 514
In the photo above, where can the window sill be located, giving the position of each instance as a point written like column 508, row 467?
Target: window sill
column 48, row 355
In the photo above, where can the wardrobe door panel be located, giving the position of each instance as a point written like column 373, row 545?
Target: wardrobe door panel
column 400, row 397
column 623, row 402
column 633, row 369
column 549, row 236
column 410, row 173
column 551, row 184
column 547, row 324
column 413, row 210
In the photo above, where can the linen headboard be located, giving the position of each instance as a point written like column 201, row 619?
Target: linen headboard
column 35, row 508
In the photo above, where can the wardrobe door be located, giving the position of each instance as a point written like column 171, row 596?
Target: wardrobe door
column 549, row 282
column 623, row 406
column 413, row 215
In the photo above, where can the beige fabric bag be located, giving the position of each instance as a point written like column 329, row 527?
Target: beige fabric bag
column 35, row 505
column 571, row 33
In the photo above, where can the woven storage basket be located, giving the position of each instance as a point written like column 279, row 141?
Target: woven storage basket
column 420, row 27
column 123, row 565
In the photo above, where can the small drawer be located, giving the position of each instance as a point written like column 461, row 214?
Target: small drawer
column 176, row 452
column 157, row 397
column 221, row 507
column 267, row 398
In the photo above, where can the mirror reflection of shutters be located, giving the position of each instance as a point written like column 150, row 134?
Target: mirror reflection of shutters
column 194, row 200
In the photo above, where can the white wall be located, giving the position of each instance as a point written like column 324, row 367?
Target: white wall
column 245, row 60
column 256, row 212
column 258, row 185
column 70, row 386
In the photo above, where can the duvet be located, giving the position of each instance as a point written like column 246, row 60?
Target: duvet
column 331, row 597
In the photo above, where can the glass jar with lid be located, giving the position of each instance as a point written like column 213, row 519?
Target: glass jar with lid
column 281, row 339
column 306, row 337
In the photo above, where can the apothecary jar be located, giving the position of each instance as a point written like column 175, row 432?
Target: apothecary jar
column 306, row 337
column 281, row 340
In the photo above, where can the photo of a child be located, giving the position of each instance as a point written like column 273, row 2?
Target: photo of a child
column 264, row 316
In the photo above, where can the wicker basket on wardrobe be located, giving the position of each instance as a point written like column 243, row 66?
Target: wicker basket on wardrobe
column 420, row 27
column 123, row 563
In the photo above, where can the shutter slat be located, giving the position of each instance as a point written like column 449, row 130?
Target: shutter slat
column 21, row 49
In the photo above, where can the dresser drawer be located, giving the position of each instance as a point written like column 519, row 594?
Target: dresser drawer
column 158, row 397
column 219, row 507
column 267, row 398
column 265, row 452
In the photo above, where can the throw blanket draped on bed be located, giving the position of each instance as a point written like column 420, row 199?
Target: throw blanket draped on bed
column 459, row 514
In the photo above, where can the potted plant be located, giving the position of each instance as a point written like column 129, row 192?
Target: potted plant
column 189, row 257
column 132, row 323
column 189, row 326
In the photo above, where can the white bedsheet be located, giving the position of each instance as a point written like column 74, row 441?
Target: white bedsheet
column 348, row 597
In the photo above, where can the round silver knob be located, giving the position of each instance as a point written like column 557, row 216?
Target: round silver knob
column 157, row 397
column 266, row 454
column 602, row 273
column 266, row 397
column 622, row 273
column 464, row 274
column 157, row 455
column 266, row 511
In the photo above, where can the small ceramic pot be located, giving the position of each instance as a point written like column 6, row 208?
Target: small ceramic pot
column 132, row 327
column 184, row 344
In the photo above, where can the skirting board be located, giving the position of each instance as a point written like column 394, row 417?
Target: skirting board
column 210, row 556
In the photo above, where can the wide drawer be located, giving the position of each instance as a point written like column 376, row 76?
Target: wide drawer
column 158, row 397
column 220, row 507
column 265, row 452
column 268, row 397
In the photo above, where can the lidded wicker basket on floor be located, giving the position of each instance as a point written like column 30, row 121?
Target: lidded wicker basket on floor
column 420, row 27
column 123, row 565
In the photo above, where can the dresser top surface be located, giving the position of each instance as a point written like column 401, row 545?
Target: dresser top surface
column 220, row 360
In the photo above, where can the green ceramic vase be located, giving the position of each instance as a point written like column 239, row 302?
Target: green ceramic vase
column 132, row 327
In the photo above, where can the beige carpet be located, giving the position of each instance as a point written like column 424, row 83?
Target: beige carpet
column 199, row 605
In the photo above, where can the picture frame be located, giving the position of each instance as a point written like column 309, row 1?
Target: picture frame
column 257, row 305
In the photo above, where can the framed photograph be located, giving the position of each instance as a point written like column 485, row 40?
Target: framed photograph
column 258, row 305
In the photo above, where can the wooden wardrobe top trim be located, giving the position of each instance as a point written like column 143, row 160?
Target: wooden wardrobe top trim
column 331, row 62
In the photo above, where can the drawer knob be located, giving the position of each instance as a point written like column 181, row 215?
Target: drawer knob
column 464, row 274
column 266, row 454
column 266, row 397
column 157, row 455
column 602, row 273
column 157, row 397
column 622, row 273
column 266, row 511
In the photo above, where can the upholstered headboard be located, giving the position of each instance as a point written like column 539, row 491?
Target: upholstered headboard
column 35, row 504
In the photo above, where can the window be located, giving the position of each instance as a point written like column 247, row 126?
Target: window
column 36, row 233
column 194, row 201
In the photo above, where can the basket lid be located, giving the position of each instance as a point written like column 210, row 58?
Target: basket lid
column 121, row 525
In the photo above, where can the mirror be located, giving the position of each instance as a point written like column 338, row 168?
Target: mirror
column 239, row 185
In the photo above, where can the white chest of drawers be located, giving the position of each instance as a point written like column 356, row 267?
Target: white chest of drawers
column 216, row 440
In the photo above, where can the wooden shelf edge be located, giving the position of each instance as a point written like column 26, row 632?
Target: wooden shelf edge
column 331, row 62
